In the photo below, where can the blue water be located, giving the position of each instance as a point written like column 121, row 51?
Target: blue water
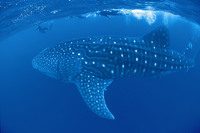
column 34, row 103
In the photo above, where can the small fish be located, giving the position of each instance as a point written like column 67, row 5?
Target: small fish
column 93, row 63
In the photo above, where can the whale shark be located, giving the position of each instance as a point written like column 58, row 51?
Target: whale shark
column 92, row 63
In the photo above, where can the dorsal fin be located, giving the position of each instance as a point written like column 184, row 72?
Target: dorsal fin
column 159, row 37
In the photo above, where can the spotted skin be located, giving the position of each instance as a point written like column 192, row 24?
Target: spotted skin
column 93, row 63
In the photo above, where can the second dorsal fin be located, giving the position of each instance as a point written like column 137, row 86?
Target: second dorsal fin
column 159, row 37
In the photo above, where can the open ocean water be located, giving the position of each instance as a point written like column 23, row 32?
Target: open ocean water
column 32, row 102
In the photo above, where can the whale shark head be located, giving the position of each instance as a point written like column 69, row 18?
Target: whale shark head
column 47, row 62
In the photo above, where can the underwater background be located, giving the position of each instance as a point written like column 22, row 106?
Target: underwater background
column 34, row 103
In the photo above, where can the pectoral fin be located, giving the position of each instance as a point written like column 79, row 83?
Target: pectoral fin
column 92, row 90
